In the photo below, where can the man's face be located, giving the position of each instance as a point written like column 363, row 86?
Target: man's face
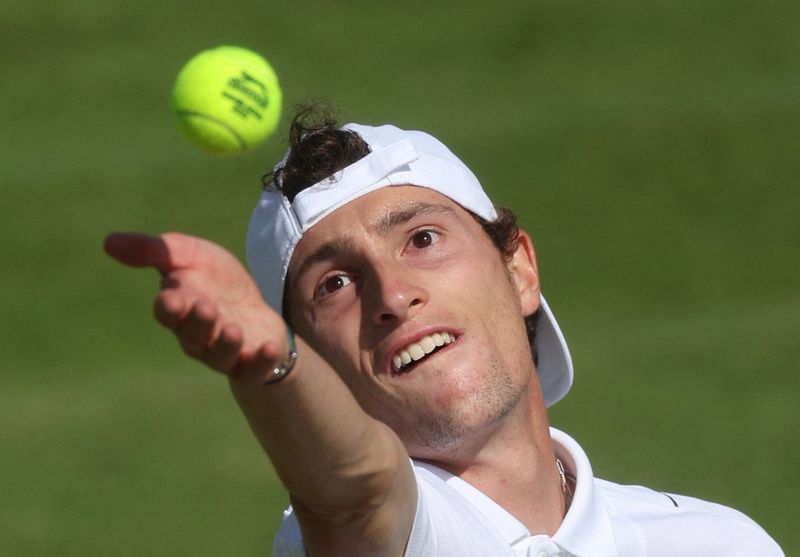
column 405, row 273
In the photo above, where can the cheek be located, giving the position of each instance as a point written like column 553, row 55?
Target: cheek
column 482, row 281
column 335, row 338
column 332, row 344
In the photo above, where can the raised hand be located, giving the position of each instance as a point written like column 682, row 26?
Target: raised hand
column 208, row 300
column 320, row 441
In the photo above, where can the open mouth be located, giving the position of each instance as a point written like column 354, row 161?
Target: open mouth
column 408, row 356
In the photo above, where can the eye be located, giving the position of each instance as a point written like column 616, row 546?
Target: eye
column 424, row 238
column 332, row 284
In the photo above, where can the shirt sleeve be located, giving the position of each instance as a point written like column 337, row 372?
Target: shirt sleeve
column 421, row 541
column 677, row 525
column 288, row 541
column 718, row 524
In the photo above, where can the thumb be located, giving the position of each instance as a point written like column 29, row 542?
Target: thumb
column 165, row 253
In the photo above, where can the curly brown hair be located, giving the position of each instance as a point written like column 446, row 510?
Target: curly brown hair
column 318, row 148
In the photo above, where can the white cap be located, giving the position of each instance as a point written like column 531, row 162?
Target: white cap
column 397, row 157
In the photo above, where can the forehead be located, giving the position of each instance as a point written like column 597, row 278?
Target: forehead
column 370, row 210
column 375, row 215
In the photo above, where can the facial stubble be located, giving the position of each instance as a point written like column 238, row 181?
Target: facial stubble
column 447, row 428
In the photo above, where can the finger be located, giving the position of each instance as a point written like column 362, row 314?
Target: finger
column 167, row 252
column 197, row 330
column 136, row 249
column 170, row 308
column 261, row 362
column 223, row 354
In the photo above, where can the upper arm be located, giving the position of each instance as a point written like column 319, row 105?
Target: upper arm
column 377, row 522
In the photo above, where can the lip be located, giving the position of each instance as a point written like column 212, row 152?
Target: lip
column 409, row 338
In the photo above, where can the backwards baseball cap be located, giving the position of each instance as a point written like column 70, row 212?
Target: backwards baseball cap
column 397, row 157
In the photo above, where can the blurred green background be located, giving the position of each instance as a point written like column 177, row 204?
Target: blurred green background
column 651, row 148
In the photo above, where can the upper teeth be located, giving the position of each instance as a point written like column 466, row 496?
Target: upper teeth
column 417, row 350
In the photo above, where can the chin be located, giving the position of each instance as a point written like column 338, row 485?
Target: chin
column 447, row 428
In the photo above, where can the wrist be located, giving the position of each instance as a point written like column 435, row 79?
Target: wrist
column 284, row 367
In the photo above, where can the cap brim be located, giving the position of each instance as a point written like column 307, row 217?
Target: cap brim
column 555, row 364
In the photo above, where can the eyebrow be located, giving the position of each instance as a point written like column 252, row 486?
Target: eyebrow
column 382, row 225
column 328, row 250
column 385, row 223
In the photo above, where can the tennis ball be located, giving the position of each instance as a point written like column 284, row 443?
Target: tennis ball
column 227, row 99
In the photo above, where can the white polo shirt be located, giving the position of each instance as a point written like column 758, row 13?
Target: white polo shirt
column 454, row 519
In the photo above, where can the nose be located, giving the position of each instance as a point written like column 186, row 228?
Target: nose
column 394, row 294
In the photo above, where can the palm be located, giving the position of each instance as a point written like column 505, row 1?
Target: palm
column 207, row 298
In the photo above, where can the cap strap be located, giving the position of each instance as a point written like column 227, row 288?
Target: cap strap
column 365, row 175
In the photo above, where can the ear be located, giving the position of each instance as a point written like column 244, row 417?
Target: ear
column 525, row 274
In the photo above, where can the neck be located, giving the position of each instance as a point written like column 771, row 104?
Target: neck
column 516, row 467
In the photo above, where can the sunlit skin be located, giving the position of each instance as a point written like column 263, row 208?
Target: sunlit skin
column 391, row 267
column 373, row 276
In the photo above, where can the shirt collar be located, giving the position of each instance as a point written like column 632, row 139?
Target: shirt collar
column 586, row 530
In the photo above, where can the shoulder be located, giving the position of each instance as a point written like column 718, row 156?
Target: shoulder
column 685, row 525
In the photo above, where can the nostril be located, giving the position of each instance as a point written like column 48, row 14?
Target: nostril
column 386, row 317
column 390, row 305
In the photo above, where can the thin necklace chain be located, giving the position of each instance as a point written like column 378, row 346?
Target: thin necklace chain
column 565, row 491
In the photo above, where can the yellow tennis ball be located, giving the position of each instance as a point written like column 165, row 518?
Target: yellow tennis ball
column 227, row 99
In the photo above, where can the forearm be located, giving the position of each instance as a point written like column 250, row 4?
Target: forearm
column 326, row 450
column 349, row 474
